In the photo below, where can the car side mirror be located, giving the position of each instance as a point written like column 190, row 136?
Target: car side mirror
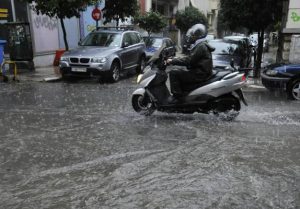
column 232, row 63
column 125, row 44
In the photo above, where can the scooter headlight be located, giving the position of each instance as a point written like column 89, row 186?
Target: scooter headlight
column 139, row 78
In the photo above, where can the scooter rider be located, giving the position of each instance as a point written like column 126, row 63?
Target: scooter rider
column 198, row 63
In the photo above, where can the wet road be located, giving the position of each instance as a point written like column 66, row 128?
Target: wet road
column 80, row 145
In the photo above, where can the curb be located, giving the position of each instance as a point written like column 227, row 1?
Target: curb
column 52, row 79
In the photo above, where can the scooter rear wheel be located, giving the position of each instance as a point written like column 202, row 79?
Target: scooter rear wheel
column 226, row 108
column 142, row 105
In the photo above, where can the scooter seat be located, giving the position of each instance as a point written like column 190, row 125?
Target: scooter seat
column 216, row 76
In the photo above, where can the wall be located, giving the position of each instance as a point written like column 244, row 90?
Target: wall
column 294, row 56
column 45, row 38
column 73, row 33
column 291, row 49
column 293, row 21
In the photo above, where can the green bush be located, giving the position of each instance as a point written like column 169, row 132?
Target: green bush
column 188, row 17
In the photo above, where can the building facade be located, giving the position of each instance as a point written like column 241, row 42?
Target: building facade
column 169, row 8
column 45, row 35
column 291, row 49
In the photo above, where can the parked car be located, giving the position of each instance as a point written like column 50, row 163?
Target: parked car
column 245, row 44
column 283, row 76
column 226, row 51
column 105, row 53
column 154, row 43
column 254, row 41
column 210, row 37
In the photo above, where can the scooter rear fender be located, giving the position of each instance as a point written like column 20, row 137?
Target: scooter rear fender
column 221, row 87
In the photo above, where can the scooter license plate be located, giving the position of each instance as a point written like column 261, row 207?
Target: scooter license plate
column 83, row 70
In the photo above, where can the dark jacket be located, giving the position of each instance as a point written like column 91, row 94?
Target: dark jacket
column 199, row 60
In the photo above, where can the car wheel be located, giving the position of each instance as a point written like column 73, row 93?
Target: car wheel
column 142, row 65
column 64, row 76
column 114, row 73
column 293, row 89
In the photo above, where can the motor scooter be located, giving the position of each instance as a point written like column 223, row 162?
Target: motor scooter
column 220, row 94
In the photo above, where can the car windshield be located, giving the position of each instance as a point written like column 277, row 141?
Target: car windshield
column 153, row 42
column 224, row 47
column 102, row 39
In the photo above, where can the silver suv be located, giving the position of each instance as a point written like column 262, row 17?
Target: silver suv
column 105, row 53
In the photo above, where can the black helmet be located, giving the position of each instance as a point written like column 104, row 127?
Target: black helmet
column 196, row 32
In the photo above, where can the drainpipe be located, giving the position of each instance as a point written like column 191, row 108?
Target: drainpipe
column 13, row 10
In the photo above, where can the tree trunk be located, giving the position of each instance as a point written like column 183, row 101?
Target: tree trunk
column 64, row 33
column 117, row 22
column 279, row 54
column 259, row 53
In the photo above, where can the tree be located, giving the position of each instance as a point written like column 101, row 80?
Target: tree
column 119, row 10
column 255, row 15
column 60, row 9
column 151, row 22
column 188, row 17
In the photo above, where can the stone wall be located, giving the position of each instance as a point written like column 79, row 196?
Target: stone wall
column 294, row 56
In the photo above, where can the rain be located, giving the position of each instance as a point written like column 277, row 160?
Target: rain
column 81, row 145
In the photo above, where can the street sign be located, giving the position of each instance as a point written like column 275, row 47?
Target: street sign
column 96, row 14
column 3, row 13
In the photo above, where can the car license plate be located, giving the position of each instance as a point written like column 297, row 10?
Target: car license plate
column 78, row 69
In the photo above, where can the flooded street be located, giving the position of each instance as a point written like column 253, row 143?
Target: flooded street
column 81, row 145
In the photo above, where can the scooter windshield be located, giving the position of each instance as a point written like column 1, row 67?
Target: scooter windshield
column 157, row 54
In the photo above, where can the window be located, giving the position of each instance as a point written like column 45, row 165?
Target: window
column 102, row 39
column 21, row 11
column 139, row 37
column 134, row 38
column 127, row 39
column 161, row 9
column 224, row 47
column 169, row 43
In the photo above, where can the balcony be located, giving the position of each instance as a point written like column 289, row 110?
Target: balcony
column 214, row 4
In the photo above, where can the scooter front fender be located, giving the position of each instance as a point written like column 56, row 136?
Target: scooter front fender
column 239, row 92
column 139, row 91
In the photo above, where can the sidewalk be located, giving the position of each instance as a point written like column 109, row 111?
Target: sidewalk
column 41, row 74
column 51, row 73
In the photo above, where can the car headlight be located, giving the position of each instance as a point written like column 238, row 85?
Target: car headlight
column 271, row 72
column 63, row 58
column 99, row 59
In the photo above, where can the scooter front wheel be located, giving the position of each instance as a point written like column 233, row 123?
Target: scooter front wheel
column 142, row 105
